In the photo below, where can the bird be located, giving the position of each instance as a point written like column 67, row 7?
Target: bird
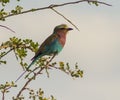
column 52, row 45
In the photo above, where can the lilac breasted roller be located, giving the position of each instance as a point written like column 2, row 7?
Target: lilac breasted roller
column 52, row 45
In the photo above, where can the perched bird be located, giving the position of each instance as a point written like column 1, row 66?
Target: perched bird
column 52, row 45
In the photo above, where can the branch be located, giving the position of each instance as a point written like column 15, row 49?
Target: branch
column 34, row 76
column 57, row 5
column 26, row 84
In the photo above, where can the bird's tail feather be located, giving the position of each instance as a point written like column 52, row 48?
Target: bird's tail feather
column 20, row 76
column 28, row 67
column 31, row 64
column 34, row 60
column 26, row 70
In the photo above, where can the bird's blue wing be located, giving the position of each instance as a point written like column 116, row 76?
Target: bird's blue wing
column 45, row 46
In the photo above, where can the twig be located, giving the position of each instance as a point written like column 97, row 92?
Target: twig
column 4, row 46
column 46, row 67
column 6, row 53
column 65, row 18
column 59, row 69
column 7, row 28
column 3, row 95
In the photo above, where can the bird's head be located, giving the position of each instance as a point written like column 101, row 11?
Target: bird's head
column 62, row 28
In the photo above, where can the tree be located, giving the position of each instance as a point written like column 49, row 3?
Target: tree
column 21, row 46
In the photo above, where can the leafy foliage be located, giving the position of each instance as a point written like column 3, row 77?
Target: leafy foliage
column 35, row 95
column 18, row 10
column 20, row 48
column 74, row 73
column 38, row 95
column 3, row 2
column 4, row 87
column 2, row 14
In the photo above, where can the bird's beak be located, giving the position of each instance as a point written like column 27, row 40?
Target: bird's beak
column 69, row 29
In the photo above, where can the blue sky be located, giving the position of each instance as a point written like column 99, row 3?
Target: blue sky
column 95, row 47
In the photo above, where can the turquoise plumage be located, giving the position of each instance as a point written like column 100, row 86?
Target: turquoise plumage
column 52, row 45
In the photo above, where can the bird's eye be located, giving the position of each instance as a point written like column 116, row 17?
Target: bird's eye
column 62, row 28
